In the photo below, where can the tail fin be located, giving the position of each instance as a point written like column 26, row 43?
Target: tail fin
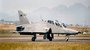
column 22, row 18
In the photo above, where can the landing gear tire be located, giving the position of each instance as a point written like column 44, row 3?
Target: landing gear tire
column 67, row 38
column 45, row 36
column 50, row 39
column 33, row 38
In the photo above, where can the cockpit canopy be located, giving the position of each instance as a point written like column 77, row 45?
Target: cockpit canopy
column 56, row 23
column 51, row 22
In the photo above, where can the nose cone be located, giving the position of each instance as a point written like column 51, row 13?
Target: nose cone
column 75, row 31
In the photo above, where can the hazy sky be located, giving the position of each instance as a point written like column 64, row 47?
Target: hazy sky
column 67, row 11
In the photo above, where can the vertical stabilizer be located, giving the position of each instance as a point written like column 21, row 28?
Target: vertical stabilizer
column 22, row 18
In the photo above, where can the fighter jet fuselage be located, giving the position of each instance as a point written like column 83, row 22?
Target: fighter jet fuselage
column 47, row 28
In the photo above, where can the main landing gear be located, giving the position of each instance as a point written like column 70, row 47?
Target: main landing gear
column 48, row 35
column 34, row 37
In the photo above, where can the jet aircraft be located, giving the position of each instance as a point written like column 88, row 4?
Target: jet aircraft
column 47, row 28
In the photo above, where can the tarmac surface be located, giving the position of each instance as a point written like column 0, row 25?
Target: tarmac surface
column 40, row 39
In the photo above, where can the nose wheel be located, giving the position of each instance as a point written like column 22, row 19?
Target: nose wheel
column 67, row 38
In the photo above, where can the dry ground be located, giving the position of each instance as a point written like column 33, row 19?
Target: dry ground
column 44, row 46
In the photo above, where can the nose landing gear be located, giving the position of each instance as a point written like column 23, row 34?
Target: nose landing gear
column 67, row 38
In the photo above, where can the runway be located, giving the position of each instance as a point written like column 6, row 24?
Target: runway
column 40, row 39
